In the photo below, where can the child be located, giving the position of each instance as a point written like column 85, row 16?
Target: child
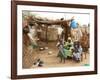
column 77, row 53
column 61, row 52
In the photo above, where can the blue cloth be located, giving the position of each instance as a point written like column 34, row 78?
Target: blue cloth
column 73, row 24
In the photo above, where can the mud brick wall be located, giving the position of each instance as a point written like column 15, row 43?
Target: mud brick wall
column 27, row 57
column 51, row 34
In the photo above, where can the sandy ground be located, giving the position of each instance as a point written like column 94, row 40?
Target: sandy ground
column 51, row 60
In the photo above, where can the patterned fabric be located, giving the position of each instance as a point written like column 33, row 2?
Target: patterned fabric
column 68, row 49
column 68, row 53
column 77, row 53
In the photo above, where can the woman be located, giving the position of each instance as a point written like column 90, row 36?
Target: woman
column 74, row 29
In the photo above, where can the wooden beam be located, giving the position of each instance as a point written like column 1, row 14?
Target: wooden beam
column 46, row 34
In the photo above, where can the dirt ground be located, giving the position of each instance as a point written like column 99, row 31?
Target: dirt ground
column 51, row 59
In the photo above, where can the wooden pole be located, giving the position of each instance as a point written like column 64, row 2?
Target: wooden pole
column 46, row 34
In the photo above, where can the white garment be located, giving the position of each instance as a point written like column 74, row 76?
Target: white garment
column 57, row 44
column 76, row 34
column 31, row 34
column 60, row 30
column 77, row 55
column 32, row 31
column 79, row 33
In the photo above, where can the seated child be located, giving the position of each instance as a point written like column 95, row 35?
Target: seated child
column 77, row 52
column 68, row 46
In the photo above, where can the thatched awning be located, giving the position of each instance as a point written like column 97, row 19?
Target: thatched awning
column 56, row 22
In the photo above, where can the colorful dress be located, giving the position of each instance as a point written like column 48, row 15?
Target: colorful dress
column 68, row 49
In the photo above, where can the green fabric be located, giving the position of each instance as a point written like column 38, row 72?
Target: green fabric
column 67, row 49
column 65, row 54
column 86, row 65
column 68, row 52
column 34, row 46
column 68, row 45
column 62, row 55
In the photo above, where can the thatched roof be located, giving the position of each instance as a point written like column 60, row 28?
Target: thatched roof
column 52, row 22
